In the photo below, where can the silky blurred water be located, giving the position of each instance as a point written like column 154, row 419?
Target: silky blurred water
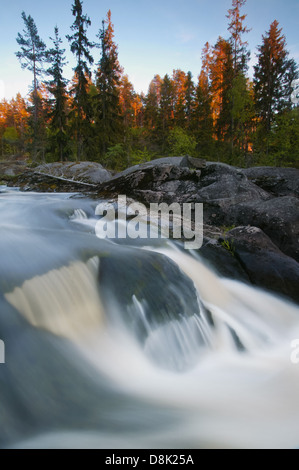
column 133, row 345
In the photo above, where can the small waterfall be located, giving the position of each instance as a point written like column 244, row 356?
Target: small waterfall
column 115, row 345
column 79, row 214
column 63, row 301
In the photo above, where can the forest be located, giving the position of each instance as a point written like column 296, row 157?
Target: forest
column 221, row 115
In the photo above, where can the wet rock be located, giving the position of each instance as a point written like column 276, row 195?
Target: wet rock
column 277, row 217
column 266, row 265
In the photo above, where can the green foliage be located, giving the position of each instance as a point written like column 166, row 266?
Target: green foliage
column 108, row 115
column 225, row 117
column 139, row 156
column 229, row 246
column 180, row 142
column 227, row 228
column 273, row 76
column 32, row 56
column 10, row 136
column 81, row 111
column 10, row 140
column 33, row 50
column 59, row 140
column 284, row 139
column 116, row 158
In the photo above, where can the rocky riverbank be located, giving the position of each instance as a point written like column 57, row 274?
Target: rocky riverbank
column 251, row 216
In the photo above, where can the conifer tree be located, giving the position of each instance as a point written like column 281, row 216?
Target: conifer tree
column 202, row 123
column 237, row 29
column 221, row 76
column 240, row 57
column 179, row 80
column 166, row 108
column 80, row 47
column 108, row 81
column 152, row 103
column 190, row 100
column 57, row 87
column 32, row 56
column 273, row 76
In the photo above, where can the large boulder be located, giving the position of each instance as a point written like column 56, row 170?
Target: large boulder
column 184, row 162
column 278, row 218
column 277, row 181
column 84, row 172
column 265, row 265
column 221, row 260
column 219, row 187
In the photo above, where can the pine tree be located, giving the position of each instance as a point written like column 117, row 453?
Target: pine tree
column 32, row 57
column 273, row 76
column 80, row 47
column 108, row 82
column 57, row 87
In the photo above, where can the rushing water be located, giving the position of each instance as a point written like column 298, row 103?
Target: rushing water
column 133, row 345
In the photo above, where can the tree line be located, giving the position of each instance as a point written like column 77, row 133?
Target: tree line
column 98, row 116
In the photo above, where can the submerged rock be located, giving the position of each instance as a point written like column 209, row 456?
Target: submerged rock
column 150, row 289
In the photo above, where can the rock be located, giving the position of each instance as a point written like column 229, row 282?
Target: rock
column 163, row 292
column 84, row 172
column 277, row 217
column 184, row 162
column 197, row 163
column 266, row 266
column 222, row 188
column 222, row 261
column 219, row 187
column 32, row 181
column 277, row 181
column 11, row 168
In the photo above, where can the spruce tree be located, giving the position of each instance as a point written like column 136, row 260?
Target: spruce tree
column 152, row 103
column 57, row 86
column 221, row 76
column 273, row 76
column 202, row 122
column 179, row 80
column 167, row 101
column 109, row 122
column 240, row 57
column 237, row 29
column 190, row 100
column 32, row 56
column 80, row 47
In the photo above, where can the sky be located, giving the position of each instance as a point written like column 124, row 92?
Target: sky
column 153, row 36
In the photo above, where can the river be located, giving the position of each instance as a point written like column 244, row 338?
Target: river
column 127, row 344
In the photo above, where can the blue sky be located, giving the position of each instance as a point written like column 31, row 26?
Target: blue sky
column 153, row 36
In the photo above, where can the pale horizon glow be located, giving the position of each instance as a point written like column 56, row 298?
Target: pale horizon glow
column 152, row 38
